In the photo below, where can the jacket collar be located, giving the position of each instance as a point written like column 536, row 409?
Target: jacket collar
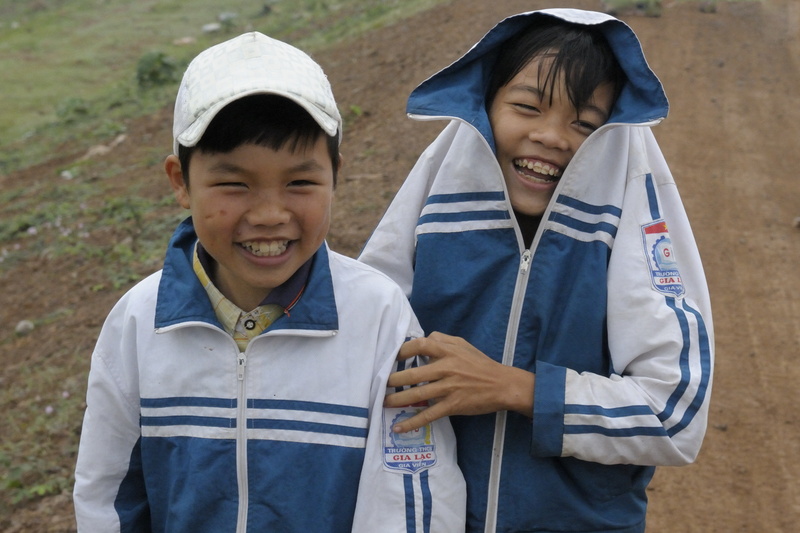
column 181, row 297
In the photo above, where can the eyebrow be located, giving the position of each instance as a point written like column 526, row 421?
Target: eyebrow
column 537, row 92
column 307, row 165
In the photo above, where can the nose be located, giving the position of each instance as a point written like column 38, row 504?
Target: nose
column 551, row 134
column 269, row 209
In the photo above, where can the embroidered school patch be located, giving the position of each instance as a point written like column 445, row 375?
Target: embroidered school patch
column 408, row 452
column 661, row 259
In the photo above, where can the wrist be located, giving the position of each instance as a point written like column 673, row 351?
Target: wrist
column 519, row 391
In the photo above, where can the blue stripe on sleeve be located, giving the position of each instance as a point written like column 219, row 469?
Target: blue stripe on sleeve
column 427, row 502
column 617, row 412
column 676, row 395
column 652, row 199
column 411, row 519
column 705, row 365
column 705, row 368
column 647, row 431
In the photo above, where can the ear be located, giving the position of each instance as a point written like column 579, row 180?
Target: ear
column 339, row 169
column 172, row 166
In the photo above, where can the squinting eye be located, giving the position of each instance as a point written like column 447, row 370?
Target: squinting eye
column 586, row 126
column 301, row 183
column 526, row 107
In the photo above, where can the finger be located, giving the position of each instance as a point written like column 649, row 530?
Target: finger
column 412, row 376
column 412, row 396
column 444, row 338
column 435, row 346
column 422, row 419
column 411, row 349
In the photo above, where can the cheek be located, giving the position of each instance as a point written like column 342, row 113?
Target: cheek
column 212, row 216
column 317, row 217
column 576, row 143
column 323, row 218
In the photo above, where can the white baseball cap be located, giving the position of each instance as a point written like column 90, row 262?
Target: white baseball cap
column 251, row 63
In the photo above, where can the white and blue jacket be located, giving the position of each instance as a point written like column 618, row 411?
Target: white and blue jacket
column 609, row 306
column 183, row 433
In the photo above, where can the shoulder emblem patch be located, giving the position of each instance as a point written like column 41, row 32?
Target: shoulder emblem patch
column 661, row 259
column 409, row 452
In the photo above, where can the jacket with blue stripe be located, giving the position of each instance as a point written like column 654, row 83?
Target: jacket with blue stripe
column 608, row 307
column 182, row 432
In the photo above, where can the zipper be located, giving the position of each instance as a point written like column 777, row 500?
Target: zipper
column 241, row 364
column 241, row 407
column 241, row 442
column 500, row 419
column 525, row 263
column 241, row 428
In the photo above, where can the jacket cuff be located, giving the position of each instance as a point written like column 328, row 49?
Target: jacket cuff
column 548, row 410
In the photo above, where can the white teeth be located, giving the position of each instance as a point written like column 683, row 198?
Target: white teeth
column 266, row 249
column 538, row 167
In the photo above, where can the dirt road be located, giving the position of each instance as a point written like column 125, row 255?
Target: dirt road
column 733, row 143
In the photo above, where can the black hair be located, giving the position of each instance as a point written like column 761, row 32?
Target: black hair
column 580, row 52
column 263, row 119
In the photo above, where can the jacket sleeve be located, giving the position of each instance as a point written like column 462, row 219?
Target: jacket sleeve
column 653, row 409
column 109, row 491
column 409, row 482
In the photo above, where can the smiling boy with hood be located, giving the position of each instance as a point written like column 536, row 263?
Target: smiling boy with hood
column 558, row 279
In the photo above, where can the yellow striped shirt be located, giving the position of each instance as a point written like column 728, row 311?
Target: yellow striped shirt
column 242, row 326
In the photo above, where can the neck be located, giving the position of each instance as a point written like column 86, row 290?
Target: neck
column 528, row 224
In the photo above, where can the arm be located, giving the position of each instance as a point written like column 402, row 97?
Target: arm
column 653, row 409
column 109, row 487
column 460, row 380
column 408, row 482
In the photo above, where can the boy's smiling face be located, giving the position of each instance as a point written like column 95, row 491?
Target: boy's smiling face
column 259, row 213
column 536, row 136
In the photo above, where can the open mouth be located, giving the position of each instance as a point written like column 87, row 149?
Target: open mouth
column 265, row 248
column 537, row 170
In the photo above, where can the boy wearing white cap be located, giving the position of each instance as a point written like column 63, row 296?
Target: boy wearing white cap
column 240, row 388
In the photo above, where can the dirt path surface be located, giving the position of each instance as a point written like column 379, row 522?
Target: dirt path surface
column 733, row 143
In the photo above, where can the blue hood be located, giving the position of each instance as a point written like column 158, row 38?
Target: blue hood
column 458, row 90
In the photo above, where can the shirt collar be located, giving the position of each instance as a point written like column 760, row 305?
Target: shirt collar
column 285, row 295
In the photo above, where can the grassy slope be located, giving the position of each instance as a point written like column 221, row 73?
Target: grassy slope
column 69, row 67
column 69, row 78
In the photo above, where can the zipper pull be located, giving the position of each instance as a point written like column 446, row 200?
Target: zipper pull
column 526, row 261
column 242, row 363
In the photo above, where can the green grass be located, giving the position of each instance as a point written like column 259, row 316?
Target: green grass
column 73, row 73
column 69, row 67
